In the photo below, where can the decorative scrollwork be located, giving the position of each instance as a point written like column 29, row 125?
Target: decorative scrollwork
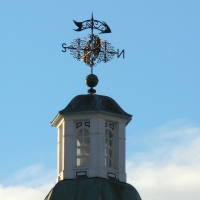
column 77, row 47
column 107, row 52
column 92, row 51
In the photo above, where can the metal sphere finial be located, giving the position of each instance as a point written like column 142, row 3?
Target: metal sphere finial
column 91, row 81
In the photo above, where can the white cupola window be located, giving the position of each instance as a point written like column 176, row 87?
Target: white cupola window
column 109, row 150
column 82, row 144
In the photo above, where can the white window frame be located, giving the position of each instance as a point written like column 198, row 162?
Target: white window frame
column 83, row 148
column 109, row 145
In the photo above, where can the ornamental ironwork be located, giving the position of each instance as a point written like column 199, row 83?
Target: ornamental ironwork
column 91, row 49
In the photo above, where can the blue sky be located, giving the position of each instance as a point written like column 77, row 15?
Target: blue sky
column 157, row 82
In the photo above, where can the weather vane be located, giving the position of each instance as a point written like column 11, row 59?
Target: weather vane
column 91, row 49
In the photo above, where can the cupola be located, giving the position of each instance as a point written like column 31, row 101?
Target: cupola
column 91, row 138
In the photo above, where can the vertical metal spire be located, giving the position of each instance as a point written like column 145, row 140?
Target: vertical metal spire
column 92, row 44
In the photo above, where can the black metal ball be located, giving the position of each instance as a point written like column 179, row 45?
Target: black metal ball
column 91, row 80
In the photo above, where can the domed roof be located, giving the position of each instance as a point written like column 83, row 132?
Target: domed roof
column 93, row 103
column 92, row 189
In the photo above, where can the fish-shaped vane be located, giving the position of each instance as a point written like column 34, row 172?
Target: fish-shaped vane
column 92, row 24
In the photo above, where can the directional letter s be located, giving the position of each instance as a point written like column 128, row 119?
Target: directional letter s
column 64, row 47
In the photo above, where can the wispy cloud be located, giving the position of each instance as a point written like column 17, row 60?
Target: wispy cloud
column 31, row 183
column 31, row 176
column 171, row 168
column 24, row 193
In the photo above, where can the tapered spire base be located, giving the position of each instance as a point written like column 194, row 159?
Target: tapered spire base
column 91, row 91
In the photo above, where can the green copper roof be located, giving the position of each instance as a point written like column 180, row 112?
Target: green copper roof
column 92, row 189
column 94, row 103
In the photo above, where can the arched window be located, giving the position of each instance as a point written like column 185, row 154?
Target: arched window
column 109, row 147
column 83, row 144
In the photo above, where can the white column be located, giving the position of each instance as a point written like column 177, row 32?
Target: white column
column 59, row 152
column 69, row 148
column 120, row 151
column 97, row 127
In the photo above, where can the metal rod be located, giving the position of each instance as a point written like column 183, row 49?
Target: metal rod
column 92, row 45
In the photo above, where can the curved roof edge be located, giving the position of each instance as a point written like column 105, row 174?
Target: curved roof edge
column 92, row 103
column 93, row 188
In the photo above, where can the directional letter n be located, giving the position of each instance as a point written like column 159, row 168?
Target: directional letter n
column 119, row 54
